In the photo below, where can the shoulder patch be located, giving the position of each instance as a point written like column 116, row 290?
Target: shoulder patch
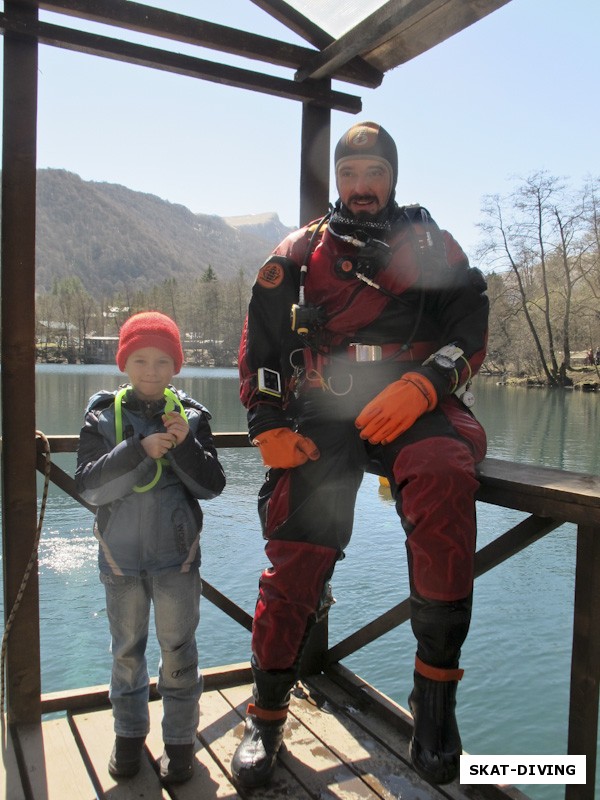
column 270, row 275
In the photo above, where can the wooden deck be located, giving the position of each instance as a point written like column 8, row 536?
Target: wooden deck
column 343, row 740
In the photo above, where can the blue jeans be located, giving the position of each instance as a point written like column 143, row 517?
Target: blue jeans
column 176, row 598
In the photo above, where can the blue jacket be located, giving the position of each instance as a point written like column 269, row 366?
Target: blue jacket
column 148, row 532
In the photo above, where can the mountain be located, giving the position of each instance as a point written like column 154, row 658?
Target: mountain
column 267, row 226
column 117, row 239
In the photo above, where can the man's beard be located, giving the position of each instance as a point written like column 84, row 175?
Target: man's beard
column 343, row 221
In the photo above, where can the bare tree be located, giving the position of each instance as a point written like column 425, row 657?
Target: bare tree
column 536, row 233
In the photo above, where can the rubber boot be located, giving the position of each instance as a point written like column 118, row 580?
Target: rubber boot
column 435, row 746
column 440, row 629
column 254, row 761
column 126, row 757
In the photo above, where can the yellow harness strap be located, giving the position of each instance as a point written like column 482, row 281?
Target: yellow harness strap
column 172, row 402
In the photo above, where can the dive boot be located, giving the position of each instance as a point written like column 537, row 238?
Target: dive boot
column 435, row 746
column 254, row 761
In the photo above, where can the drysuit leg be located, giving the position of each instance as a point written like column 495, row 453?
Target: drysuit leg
column 307, row 516
column 434, row 475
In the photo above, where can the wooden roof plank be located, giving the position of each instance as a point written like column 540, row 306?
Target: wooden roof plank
column 397, row 32
column 363, row 37
column 191, row 30
column 425, row 31
column 296, row 22
column 312, row 33
column 142, row 55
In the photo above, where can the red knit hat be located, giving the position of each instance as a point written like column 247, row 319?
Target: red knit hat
column 149, row 329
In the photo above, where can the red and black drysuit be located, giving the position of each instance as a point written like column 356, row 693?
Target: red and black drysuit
column 429, row 298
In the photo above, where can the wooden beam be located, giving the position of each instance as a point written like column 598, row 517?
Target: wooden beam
column 365, row 36
column 585, row 661
column 314, row 162
column 504, row 547
column 290, row 17
column 180, row 64
column 19, row 491
column 441, row 21
column 312, row 33
column 544, row 491
column 178, row 27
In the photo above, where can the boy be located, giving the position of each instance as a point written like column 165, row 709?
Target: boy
column 146, row 456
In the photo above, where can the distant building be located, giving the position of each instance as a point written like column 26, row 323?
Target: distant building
column 100, row 349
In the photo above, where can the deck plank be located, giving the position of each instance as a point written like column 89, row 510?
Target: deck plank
column 364, row 706
column 312, row 762
column 330, row 717
column 208, row 781
column 97, row 735
column 10, row 780
column 344, row 740
column 54, row 766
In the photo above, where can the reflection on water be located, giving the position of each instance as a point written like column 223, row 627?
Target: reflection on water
column 514, row 696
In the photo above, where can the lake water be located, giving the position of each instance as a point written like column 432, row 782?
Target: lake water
column 514, row 696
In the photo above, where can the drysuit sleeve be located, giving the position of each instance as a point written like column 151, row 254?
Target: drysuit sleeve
column 267, row 341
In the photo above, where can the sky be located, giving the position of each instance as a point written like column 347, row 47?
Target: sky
column 515, row 93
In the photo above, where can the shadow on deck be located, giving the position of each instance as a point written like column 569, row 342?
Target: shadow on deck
column 343, row 740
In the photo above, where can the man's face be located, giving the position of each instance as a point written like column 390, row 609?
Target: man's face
column 364, row 185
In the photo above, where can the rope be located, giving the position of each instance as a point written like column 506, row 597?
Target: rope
column 30, row 565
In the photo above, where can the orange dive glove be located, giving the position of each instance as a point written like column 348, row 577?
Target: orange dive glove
column 396, row 408
column 281, row 448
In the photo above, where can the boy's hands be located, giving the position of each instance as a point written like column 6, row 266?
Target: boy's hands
column 157, row 444
column 177, row 427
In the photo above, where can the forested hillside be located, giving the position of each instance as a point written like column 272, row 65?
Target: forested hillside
column 117, row 240
column 105, row 251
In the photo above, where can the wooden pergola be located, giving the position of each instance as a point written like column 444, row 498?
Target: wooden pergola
column 395, row 32
column 360, row 54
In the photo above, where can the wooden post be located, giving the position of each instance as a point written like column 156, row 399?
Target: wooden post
column 314, row 162
column 19, row 497
column 585, row 664
column 314, row 201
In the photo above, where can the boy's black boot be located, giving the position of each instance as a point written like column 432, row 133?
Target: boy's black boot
column 126, row 757
column 435, row 746
column 254, row 761
column 177, row 763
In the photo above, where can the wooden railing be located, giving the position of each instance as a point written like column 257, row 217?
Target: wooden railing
column 551, row 497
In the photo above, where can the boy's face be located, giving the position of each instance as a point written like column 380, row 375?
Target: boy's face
column 150, row 371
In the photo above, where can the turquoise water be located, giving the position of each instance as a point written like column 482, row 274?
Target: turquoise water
column 514, row 696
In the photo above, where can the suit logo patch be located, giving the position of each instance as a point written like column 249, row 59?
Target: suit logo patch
column 270, row 276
